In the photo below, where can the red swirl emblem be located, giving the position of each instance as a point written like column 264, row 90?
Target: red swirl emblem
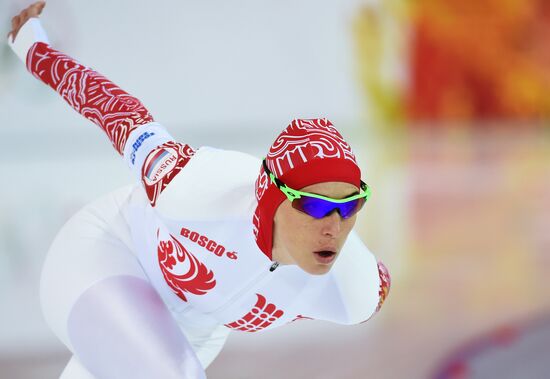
column 260, row 317
column 182, row 270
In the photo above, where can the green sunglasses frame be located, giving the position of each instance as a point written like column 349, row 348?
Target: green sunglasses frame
column 293, row 194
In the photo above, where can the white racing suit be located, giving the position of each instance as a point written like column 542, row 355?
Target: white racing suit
column 148, row 281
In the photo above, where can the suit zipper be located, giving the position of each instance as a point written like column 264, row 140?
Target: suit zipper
column 260, row 277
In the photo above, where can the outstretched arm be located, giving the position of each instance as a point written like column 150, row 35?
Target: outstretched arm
column 147, row 147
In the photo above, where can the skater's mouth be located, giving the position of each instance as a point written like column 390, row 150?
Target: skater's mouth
column 325, row 253
column 325, row 256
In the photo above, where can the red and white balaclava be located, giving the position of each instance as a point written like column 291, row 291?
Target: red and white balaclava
column 307, row 152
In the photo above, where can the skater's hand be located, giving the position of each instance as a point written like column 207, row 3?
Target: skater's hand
column 18, row 21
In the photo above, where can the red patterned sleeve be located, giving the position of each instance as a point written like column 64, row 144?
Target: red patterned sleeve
column 116, row 112
column 89, row 93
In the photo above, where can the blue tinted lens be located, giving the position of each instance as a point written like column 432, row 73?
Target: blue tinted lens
column 348, row 209
column 320, row 208
column 314, row 207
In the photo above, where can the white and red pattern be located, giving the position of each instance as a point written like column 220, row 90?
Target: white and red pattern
column 306, row 139
column 162, row 165
column 383, row 290
column 182, row 270
column 262, row 183
column 89, row 93
column 111, row 108
column 310, row 151
column 385, row 284
column 260, row 317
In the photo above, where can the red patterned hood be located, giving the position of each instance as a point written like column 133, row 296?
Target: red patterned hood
column 307, row 152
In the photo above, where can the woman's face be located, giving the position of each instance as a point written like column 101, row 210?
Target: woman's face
column 312, row 244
